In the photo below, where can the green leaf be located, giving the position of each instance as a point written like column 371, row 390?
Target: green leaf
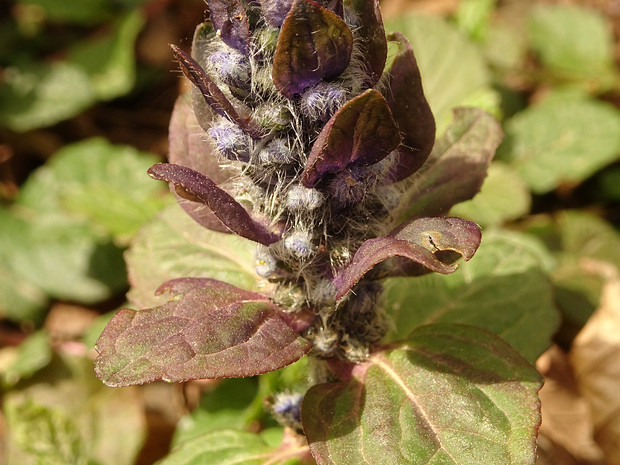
column 561, row 141
column 73, row 419
column 453, row 69
column 173, row 245
column 235, row 447
column 450, row 394
column 99, row 182
column 473, row 16
column 504, row 196
column 20, row 299
column 456, row 167
column 574, row 42
column 32, row 354
column 69, row 260
column 72, row 11
column 37, row 94
column 502, row 289
column 226, row 407
column 589, row 246
column 109, row 61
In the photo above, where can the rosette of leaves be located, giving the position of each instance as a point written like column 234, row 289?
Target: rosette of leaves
column 297, row 136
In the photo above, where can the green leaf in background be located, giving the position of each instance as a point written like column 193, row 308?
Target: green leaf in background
column 99, row 182
column 561, row 140
column 502, row 289
column 173, row 245
column 69, row 260
column 36, row 94
column 67, row 226
column 236, row 447
column 226, row 407
column 504, row 196
column 451, row 394
column 71, row 11
column 473, row 16
column 574, row 42
column 73, row 419
column 109, row 62
column 453, row 70
column 590, row 249
column 20, row 299
column 32, row 354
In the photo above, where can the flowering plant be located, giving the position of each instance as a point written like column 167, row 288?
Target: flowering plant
column 299, row 137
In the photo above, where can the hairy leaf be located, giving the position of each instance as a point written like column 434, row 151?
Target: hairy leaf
column 369, row 24
column 209, row 329
column 411, row 110
column 456, row 167
column 450, row 394
column 197, row 187
column 212, row 94
column 314, row 44
column 363, row 132
column 422, row 241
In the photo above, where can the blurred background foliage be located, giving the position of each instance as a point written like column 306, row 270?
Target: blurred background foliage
column 86, row 91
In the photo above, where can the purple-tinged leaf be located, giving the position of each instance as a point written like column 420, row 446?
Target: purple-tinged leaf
column 450, row 394
column 423, row 241
column 362, row 132
column 212, row 94
column 210, row 329
column 406, row 99
column 369, row 23
column 456, row 168
column 197, row 187
column 189, row 146
column 275, row 11
column 230, row 19
column 314, row 44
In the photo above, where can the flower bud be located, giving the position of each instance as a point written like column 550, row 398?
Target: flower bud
column 300, row 198
column 230, row 140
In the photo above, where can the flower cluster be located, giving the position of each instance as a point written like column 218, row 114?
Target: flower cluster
column 314, row 138
column 297, row 136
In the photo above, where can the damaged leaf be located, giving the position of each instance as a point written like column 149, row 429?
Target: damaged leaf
column 422, row 241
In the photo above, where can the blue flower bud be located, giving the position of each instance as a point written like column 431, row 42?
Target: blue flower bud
column 230, row 140
column 299, row 244
column 321, row 101
column 231, row 66
column 286, row 409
